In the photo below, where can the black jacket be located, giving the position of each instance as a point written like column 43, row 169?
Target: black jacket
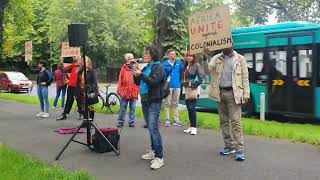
column 190, row 75
column 155, row 81
column 42, row 76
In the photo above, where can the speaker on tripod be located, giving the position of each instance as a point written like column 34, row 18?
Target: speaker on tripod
column 78, row 34
column 78, row 37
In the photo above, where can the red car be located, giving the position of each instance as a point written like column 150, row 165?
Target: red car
column 14, row 82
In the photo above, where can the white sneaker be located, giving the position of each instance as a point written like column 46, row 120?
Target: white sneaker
column 39, row 114
column 157, row 163
column 45, row 115
column 188, row 130
column 193, row 131
column 149, row 156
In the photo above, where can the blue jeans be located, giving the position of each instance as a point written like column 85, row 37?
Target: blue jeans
column 43, row 98
column 191, row 106
column 123, row 110
column 62, row 89
column 151, row 113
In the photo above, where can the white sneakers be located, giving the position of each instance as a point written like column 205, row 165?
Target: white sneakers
column 149, row 156
column 188, row 130
column 43, row 115
column 191, row 130
column 156, row 163
column 39, row 114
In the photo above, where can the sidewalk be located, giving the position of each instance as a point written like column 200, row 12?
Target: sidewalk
column 186, row 157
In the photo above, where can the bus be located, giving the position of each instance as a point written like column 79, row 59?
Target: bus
column 283, row 63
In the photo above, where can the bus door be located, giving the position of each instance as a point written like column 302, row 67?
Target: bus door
column 301, row 81
column 290, row 77
column 275, row 67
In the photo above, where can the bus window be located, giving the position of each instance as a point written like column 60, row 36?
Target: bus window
column 280, row 58
column 294, row 66
column 259, row 61
column 305, row 63
column 249, row 58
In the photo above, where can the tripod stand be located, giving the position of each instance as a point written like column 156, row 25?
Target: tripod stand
column 87, row 123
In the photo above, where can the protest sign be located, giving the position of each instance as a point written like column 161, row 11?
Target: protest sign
column 28, row 51
column 67, row 51
column 211, row 29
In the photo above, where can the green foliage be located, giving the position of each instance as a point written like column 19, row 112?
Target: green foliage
column 286, row 10
column 17, row 27
column 171, row 25
column 114, row 28
column 305, row 133
column 18, row 166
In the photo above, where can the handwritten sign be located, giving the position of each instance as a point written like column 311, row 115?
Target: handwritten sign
column 211, row 28
column 28, row 51
column 67, row 51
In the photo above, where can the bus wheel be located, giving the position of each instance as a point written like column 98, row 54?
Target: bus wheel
column 247, row 110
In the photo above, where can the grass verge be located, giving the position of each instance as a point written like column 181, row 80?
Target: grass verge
column 305, row 133
column 17, row 166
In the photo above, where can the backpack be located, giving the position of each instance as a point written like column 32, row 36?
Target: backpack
column 165, row 88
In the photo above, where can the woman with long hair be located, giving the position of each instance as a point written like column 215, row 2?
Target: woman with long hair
column 192, row 78
column 92, row 89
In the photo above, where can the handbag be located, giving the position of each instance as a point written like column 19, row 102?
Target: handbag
column 191, row 93
column 93, row 98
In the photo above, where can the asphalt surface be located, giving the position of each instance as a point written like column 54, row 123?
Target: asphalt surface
column 186, row 157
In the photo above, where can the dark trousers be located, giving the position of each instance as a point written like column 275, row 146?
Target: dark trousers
column 71, row 93
column 191, row 106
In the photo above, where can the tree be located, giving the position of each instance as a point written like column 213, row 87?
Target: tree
column 3, row 5
column 17, row 27
column 286, row 10
column 171, row 25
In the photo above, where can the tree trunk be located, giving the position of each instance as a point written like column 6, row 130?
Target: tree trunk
column 162, row 28
column 3, row 5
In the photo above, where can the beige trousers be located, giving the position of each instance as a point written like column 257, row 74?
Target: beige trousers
column 172, row 101
column 230, row 121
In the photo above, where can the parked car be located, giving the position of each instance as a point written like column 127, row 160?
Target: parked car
column 14, row 82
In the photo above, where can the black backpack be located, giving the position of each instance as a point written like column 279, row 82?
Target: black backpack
column 101, row 145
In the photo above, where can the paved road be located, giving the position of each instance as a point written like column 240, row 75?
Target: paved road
column 186, row 157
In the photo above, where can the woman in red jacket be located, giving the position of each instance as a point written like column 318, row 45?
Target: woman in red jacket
column 128, row 91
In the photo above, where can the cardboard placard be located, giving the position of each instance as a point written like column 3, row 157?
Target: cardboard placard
column 211, row 28
column 67, row 51
column 28, row 51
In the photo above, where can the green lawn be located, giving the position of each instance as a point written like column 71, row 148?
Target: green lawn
column 16, row 166
column 304, row 133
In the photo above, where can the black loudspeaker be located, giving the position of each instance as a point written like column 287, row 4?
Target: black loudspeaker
column 78, row 34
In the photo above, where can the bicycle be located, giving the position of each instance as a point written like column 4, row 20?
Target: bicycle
column 111, row 100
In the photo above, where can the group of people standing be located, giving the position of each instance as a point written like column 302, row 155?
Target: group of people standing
column 68, row 79
column 229, row 87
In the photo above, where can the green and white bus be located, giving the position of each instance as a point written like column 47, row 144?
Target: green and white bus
column 283, row 62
